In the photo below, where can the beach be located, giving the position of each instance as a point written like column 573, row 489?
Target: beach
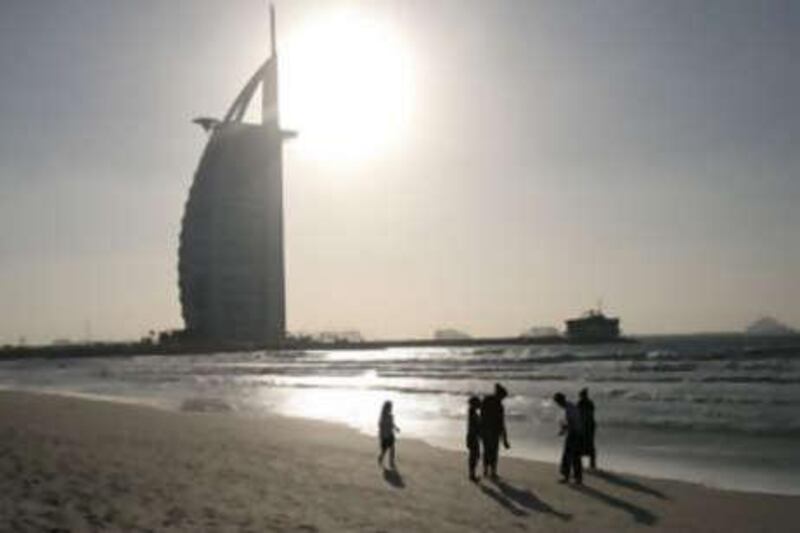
column 721, row 412
column 74, row 464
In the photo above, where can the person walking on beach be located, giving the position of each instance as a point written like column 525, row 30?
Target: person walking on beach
column 474, row 435
column 586, row 410
column 573, row 442
column 386, row 431
column 493, row 428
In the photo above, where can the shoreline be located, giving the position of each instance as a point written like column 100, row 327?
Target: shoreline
column 94, row 464
column 623, row 463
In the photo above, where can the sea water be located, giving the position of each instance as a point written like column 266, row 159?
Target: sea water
column 722, row 411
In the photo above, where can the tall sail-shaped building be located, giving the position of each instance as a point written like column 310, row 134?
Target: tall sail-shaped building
column 230, row 260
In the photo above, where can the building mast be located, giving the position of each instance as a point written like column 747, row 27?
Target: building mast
column 269, row 82
column 272, row 37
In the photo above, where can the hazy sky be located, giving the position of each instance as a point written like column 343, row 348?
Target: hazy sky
column 488, row 166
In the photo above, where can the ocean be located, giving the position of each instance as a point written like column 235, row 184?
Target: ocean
column 723, row 411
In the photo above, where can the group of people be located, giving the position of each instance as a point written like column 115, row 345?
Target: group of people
column 486, row 430
column 578, row 428
column 486, row 425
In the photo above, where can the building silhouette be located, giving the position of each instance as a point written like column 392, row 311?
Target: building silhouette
column 231, row 258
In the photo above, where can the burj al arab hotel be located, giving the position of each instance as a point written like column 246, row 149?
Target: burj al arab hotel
column 231, row 257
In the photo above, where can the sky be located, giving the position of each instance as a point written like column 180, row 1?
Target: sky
column 485, row 166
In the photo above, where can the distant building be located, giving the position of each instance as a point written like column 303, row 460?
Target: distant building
column 541, row 331
column 231, row 259
column 450, row 335
column 346, row 336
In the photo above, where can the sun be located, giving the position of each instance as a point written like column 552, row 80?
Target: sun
column 347, row 87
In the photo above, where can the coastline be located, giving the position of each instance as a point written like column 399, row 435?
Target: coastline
column 88, row 464
column 123, row 349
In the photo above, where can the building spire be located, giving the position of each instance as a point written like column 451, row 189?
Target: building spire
column 272, row 36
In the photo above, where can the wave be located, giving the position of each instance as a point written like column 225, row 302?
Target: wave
column 662, row 367
column 496, row 376
column 768, row 380
column 761, row 366
column 722, row 427
column 376, row 387
column 634, row 379
column 648, row 397
column 645, row 373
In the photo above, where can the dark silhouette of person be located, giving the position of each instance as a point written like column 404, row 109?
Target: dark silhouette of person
column 386, row 431
column 586, row 410
column 474, row 435
column 573, row 442
column 493, row 428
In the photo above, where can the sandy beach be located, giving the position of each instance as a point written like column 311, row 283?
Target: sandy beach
column 71, row 464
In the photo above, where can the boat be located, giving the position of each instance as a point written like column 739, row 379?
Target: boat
column 593, row 326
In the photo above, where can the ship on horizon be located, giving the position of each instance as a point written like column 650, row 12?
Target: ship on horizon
column 593, row 326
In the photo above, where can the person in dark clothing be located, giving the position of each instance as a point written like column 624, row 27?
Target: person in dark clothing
column 586, row 410
column 573, row 442
column 474, row 435
column 493, row 428
column 386, row 431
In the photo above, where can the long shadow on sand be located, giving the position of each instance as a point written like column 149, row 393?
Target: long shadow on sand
column 392, row 477
column 519, row 501
column 627, row 483
column 639, row 514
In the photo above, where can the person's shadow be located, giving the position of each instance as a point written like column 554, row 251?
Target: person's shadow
column 639, row 514
column 627, row 483
column 520, row 501
column 392, row 477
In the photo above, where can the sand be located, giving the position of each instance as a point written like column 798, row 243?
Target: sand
column 84, row 465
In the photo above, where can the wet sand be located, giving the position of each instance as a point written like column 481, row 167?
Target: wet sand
column 83, row 465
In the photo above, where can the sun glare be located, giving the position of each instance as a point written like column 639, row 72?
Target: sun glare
column 347, row 87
